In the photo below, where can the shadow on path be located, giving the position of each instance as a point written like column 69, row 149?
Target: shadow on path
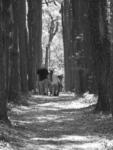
column 58, row 123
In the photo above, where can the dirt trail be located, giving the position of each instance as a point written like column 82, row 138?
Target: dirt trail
column 57, row 123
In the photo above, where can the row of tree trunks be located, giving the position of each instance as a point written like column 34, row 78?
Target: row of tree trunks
column 14, row 49
column 78, row 24
column 75, row 19
column 91, row 19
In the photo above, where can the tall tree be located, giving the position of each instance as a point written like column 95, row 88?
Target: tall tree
column 4, row 6
column 66, row 23
column 110, row 8
column 22, row 44
column 14, row 85
column 76, row 44
column 78, row 52
column 100, row 49
column 35, row 51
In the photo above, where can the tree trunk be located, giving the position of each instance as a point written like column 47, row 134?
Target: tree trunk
column 3, row 87
column 22, row 44
column 76, row 44
column 111, row 59
column 100, row 50
column 30, row 55
column 66, row 20
column 35, row 50
column 14, row 87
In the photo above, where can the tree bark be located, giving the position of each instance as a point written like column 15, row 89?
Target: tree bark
column 22, row 44
column 3, row 86
column 111, row 58
column 66, row 23
column 14, row 87
column 100, row 50
column 35, row 50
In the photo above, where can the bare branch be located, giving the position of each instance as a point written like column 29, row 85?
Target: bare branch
column 47, row 2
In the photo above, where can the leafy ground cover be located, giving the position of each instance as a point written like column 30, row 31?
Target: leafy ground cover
column 57, row 123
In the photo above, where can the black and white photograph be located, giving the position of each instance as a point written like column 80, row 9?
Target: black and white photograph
column 56, row 74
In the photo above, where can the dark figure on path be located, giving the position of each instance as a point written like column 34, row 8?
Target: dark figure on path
column 43, row 81
column 55, row 85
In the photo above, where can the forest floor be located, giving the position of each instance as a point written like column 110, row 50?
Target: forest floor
column 57, row 123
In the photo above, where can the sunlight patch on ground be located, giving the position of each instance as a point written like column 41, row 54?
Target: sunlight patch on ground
column 66, row 105
column 44, row 97
column 41, row 147
column 89, row 98
column 76, row 142
column 99, row 145
column 47, row 108
column 103, row 117
column 24, row 109
column 63, row 138
column 21, row 122
column 85, row 101
column 62, row 94
column 47, row 118
column 67, row 94
column 53, row 118
column 21, row 109
column 5, row 146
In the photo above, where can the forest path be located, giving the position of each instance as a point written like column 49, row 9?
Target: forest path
column 58, row 123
